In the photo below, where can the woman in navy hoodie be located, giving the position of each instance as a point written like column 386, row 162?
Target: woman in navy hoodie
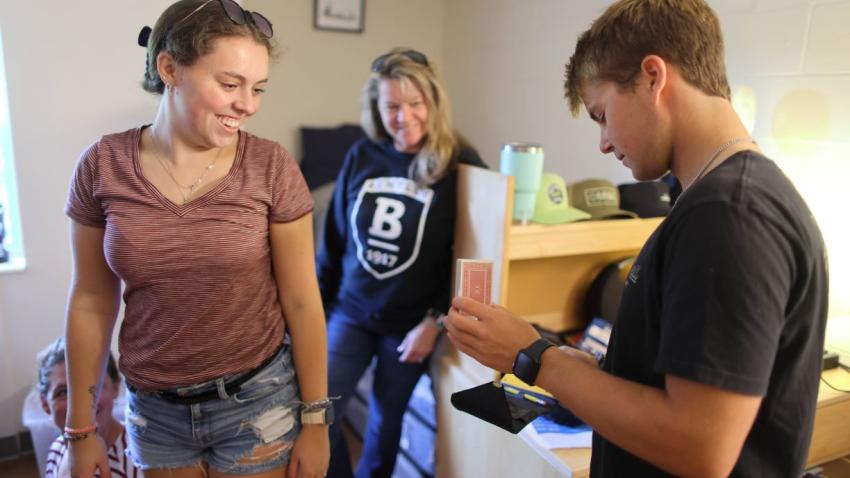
column 385, row 263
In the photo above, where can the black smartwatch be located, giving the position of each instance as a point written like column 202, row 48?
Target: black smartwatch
column 527, row 361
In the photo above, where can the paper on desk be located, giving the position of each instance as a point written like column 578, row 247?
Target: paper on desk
column 549, row 435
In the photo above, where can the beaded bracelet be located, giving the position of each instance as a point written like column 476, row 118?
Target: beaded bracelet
column 80, row 431
column 75, row 436
column 315, row 405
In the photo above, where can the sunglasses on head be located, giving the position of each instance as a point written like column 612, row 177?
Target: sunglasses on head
column 412, row 55
column 240, row 16
column 235, row 13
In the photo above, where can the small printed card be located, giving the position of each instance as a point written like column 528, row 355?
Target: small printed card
column 473, row 279
column 596, row 337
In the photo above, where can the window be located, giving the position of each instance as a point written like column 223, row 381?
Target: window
column 11, row 243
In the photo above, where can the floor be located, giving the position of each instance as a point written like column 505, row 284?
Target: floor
column 839, row 468
column 25, row 466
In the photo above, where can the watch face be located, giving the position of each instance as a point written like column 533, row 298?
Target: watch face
column 525, row 368
column 318, row 417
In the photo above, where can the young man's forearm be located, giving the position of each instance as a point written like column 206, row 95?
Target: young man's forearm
column 643, row 420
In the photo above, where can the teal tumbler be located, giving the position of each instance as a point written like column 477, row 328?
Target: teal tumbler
column 523, row 161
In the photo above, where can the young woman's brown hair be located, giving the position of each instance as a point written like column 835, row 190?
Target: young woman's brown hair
column 186, row 30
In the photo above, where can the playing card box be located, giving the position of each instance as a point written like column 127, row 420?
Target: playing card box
column 473, row 279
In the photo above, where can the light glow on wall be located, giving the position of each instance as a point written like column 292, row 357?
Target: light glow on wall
column 799, row 133
column 820, row 170
column 804, row 141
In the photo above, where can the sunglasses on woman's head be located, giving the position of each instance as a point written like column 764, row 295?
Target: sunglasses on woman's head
column 412, row 55
column 239, row 16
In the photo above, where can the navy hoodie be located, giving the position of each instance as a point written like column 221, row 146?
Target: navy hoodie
column 386, row 252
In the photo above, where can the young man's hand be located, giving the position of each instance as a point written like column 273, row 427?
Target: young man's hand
column 491, row 335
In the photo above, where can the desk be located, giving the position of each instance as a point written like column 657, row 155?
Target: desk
column 831, row 438
column 493, row 452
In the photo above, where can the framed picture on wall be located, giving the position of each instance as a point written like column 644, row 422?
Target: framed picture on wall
column 339, row 15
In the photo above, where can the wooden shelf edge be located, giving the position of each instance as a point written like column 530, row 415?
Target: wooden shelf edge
column 588, row 237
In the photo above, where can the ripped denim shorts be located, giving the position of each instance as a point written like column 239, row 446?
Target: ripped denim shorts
column 249, row 432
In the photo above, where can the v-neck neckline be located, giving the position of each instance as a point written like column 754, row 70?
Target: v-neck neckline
column 182, row 209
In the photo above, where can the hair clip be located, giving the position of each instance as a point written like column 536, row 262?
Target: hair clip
column 144, row 35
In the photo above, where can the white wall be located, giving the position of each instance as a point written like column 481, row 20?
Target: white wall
column 506, row 71
column 318, row 77
column 70, row 80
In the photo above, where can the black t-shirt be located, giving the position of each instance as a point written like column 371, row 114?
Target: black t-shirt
column 729, row 291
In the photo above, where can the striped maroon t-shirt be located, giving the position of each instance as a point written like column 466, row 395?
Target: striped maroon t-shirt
column 200, row 294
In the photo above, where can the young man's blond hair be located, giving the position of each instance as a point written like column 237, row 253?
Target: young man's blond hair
column 686, row 33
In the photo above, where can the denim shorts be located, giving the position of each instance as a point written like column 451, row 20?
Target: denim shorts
column 249, row 432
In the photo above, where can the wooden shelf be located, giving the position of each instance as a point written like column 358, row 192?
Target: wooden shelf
column 539, row 271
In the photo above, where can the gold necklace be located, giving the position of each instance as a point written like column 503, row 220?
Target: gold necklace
column 715, row 154
column 187, row 196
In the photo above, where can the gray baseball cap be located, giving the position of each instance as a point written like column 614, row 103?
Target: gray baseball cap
column 598, row 197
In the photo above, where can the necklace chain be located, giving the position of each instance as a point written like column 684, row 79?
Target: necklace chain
column 716, row 154
column 187, row 196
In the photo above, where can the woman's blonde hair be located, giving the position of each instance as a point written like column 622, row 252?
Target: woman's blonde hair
column 438, row 154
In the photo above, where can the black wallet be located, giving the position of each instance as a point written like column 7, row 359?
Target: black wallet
column 491, row 403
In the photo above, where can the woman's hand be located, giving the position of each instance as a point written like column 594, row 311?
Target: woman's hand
column 419, row 342
column 310, row 454
column 88, row 455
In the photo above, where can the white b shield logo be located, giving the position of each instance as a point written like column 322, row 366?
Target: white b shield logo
column 387, row 223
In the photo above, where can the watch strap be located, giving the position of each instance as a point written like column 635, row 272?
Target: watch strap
column 536, row 349
column 324, row 416
column 527, row 362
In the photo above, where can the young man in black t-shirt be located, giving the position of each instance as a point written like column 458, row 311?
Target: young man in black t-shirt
column 714, row 361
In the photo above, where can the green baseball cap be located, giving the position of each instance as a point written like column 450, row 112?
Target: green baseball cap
column 600, row 198
column 553, row 206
